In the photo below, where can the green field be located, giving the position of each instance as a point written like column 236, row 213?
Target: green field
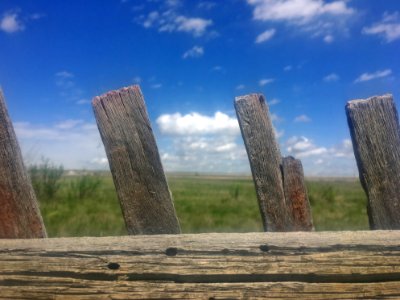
column 88, row 205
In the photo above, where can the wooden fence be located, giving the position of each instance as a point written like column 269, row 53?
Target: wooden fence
column 158, row 262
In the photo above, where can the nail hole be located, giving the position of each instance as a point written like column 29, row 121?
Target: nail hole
column 264, row 248
column 171, row 251
column 113, row 266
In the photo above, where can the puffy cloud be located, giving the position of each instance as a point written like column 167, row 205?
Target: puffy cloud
column 317, row 160
column 303, row 147
column 197, row 124
column 388, row 27
column 302, row 11
column 321, row 18
column 240, row 87
column 370, row 76
column 194, row 52
column 265, row 36
column 11, row 23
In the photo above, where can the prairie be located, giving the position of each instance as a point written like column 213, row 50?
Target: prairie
column 87, row 205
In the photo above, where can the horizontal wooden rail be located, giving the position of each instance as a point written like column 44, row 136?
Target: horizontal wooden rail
column 305, row 265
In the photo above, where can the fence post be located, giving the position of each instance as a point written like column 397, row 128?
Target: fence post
column 265, row 160
column 296, row 194
column 19, row 211
column 135, row 163
column 375, row 132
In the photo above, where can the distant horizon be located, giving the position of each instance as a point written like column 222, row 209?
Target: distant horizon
column 191, row 59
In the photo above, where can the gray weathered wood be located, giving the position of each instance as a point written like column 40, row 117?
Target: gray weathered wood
column 19, row 211
column 135, row 163
column 375, row 132
column 302, row 265
column 296, row 194
column 265, row 159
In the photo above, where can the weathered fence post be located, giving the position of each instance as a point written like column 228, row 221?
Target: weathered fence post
column 296, row 194
column 375, row 132
column 265, row 160
column 135, row 163
column 19, row 211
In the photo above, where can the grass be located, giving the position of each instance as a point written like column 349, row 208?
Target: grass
column 88, row 205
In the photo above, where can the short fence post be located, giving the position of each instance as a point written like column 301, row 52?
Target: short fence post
column 19, row 211
column 375, row 132
column 296, row 194
column 135, row 163
column 265, row 160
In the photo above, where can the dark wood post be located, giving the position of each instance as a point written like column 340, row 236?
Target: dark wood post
column 375, row 132
column 19, row 211
column 135, row 163
column 265, row 160
column 296, row 194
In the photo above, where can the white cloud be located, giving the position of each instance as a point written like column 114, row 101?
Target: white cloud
column 273, row 102
column 265, row 81
column 302, row 11
column 168, row 19
column 197, row 124
column 388, row 27
column 68, row 124
column 302, row 119
column 323, row 161
column 370, row 76
column 328, row 39
column 320, row 18
column 240, row 87
column 11, row 23
column 265, row 36
column 303, row 147
column 194, row 52
column 65, row 81
column 331, row 77
column 72, row 143
column 201, row 143
column 195, row 26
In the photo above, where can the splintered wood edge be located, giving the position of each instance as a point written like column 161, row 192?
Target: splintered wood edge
column 249, row 97
column 356, row 102
column 97, row 99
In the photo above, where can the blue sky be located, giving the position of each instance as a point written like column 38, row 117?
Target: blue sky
column 191, row 58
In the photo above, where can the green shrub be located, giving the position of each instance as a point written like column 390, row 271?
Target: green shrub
column 46, row 178
column 83, row 186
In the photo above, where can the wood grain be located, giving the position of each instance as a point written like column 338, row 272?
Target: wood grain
column 265, row 159
column 309, row 265
column 19, row 210
column 296, row 194
column 375, row 132
column 135, row 163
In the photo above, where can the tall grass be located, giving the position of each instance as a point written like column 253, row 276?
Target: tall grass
column 87, row 204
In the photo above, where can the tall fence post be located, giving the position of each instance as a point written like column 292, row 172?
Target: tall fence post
column 135, row 163
column 375, row 132
column 19, row 211
column 296, row 194
column 265, row 160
